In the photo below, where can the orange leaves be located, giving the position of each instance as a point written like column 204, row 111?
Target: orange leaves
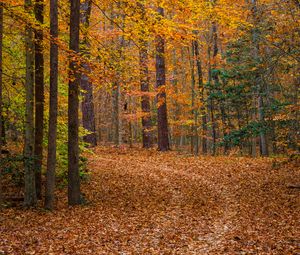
column 146, row 202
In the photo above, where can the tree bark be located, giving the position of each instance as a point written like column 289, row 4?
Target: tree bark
column 194, row 135
column 215, row 78
column 88, row 114
column 176, row 114
column 52, row 133
column 162, row 118
column 201, row 91
column 30, row 198
column 39, row 97
column 116, row 90
column 144, row 81
column 1, row 96
column 73, row 102
column 263, row 139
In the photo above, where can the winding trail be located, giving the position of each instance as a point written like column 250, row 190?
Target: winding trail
column 145, row 202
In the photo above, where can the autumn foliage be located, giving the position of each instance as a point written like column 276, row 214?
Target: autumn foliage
column 168, row 127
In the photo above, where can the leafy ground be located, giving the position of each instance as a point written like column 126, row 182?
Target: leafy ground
column 145, row 202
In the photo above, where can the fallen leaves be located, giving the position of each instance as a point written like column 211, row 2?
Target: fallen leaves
column 146, row 202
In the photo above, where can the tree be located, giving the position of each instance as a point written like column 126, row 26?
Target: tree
column 116, row 18
column 162, row 118
column 39, row 96
column 1, row 97
column 144, row 81
column 88, row 115
column 30, row 198
column 201, row 91
column 212, row 83
column 52, row 132
column 73, row 103
column 194, row 95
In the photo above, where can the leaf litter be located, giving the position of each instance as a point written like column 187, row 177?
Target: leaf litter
column 147, row 202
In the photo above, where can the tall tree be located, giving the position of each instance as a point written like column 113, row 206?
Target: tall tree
column 73, row 103
column 30, row 198
column 162, row 118
column 88, row 115
column 52, row 133
column 213, row 83
column 194, row 95
column 1, row 97
column 215, row 77
column 201, row 92
column 118, row 20
column 144, row 81
column 39, row 95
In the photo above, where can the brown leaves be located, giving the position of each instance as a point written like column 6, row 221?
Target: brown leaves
column 146, row 202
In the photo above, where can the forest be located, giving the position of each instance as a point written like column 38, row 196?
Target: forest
column 149, row 127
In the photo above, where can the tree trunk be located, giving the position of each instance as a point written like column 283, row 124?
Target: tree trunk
column 73, row 102
column 116, row 91
column 52, row 133
column 39, row 97
column 212, row 81
column 30, row 198
column 176, row 114
column 117, row 138
column 88, row 115
column 194, row 135
column 224, row 125
column 1, row 97
column 215, row 78
column 162, row 119
column 144, row 81
column 263, row 139
column 201, row 91
column 145, row 102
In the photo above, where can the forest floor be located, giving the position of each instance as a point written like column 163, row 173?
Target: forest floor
column 146, row 202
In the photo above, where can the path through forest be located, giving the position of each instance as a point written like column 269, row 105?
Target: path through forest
column 145, row 202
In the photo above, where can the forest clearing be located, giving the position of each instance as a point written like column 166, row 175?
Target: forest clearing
column 146, row 202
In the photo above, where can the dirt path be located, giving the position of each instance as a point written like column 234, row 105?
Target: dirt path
column 144, row 202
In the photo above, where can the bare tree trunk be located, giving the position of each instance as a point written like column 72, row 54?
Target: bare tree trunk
column 30, row 198
column 194, row 135
column 88, row 115
column 39, row 97
column 210, row 104
column 73, row 101
column 52, row 133
column 201, row 91
column 1, row 97
column 162, row 118
column 144, row 81
column 145, row 103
